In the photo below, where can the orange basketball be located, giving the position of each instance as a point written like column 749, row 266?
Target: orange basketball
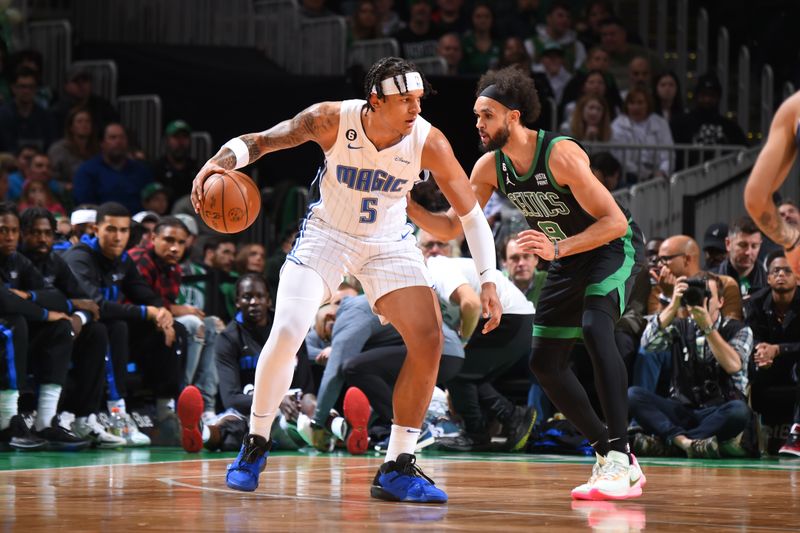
column 231, row 202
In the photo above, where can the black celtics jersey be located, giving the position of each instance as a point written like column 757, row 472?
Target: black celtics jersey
column 546, row 205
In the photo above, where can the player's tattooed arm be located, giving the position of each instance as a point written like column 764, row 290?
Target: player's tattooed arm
column 776, row 228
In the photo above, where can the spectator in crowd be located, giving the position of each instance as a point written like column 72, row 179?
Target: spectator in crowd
column 142, row 225
column 449, row 16
column 596, row 60
column 518, row 22
column 420, row 37
column 591, row 120
column 367, row 354
column 450, row 49
column 250, row 258
column 596, row 12
column 83, row 394
column 24, row 157
column 78, row 146
column 155, row 199
column 707, row 404
column 480, row 47
column 638, row 125
column 522, row 268
column 486, row 356
column 639, row 73
column 176, row 169
column 774, row 316
column 364, row 23
column 558, row 31
column 594, row 84
column 514, row 54
column 789, row 212
column 607, row 169
column 278, row 257
column 78, row 93
column 319, row 348
column 677, row 257
column 551, row 64
column 81, row 227
column 315, row 9
column 742, row 246
column 22, row 120
column 388, row 19
column 705, row 124
column 135, row 316
column 209, row 285
column 714, row 246
column 37, row 194
column 112, row 176
column 40, row 336
column 667, row 97
column 238, row 348
column 33, row 60
column 158, row 264
column 614, row 40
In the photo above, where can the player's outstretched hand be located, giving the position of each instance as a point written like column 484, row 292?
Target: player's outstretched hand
column 208, row 169
column 492, row 308
column 536, row 242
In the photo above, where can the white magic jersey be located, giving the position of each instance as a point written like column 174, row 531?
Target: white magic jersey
column 363, row 190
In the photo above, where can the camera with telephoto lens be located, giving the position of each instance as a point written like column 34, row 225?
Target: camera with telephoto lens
column 696, row 292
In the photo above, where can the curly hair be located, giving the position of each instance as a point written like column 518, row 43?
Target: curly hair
column 389, row 67
column 519, row 86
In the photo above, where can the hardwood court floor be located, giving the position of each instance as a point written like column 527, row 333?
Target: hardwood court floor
column 168, row 490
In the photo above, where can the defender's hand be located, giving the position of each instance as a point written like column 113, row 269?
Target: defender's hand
column 536, row 242
column 492, row 309
column 90, row 306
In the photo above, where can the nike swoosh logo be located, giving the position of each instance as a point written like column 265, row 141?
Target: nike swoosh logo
column 403, row 236
column 485, row 271
column 354, row 147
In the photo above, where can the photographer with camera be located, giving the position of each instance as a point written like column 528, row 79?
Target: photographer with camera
column 708, row 387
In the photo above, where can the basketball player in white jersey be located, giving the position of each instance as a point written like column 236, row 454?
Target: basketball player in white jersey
column 771, row 168
column 374, row 151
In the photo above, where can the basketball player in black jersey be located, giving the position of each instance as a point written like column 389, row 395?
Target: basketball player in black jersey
column 595, row 250
column 771, row 168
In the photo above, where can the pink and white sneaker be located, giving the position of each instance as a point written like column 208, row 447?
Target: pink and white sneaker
column 618, row 479
column 582, row 492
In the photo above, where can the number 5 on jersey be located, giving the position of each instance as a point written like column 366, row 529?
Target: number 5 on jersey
column 368, row 209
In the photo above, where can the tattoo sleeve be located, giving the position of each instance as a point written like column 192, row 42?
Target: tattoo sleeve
column 225, row 158
column 776, row 228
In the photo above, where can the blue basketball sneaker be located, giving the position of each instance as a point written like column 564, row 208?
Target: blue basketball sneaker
column 251, row 461
column 403, row 481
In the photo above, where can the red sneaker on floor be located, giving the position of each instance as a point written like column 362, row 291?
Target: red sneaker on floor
column 190, row 408
column 792, row 446
column 356, row 412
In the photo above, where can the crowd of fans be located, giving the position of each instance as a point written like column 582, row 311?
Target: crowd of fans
column 116, row 298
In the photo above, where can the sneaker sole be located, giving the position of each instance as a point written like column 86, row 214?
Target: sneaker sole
column 190, row 409
column 789, row 453
column 54, row 446
column 242, row 488
column 356, row 412
column 634, row 492
column 424, row 443
column 382, row 494
column 524, row 440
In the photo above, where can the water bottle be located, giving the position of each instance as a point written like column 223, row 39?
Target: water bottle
column 119, row 426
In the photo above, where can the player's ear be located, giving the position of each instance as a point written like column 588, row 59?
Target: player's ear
column 514, row 116
column 374, row 101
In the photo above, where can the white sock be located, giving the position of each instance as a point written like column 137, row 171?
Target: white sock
column 9, row 399
column 401, row 440
column 206, row 433
column 49, row 394
column 120, row 404
column 339, row 427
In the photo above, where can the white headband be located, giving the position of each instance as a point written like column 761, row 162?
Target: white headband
column 83, row 216
column 402, row 83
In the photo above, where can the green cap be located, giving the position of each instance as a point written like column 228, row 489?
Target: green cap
column 150, row 189
column 177, row 125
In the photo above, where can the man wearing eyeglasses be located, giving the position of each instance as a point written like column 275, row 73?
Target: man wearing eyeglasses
column 774, row 316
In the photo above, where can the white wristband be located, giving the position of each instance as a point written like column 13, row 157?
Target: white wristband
column 481, row 243
column 239, row 149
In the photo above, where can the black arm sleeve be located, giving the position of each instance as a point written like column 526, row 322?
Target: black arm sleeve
column 230, row 384
column 86, row 273
column 11, row 304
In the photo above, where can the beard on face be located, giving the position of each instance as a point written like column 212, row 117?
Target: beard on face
column 496, row 141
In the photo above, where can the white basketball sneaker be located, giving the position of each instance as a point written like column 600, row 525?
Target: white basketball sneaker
column 619, row 478
column 582, row 492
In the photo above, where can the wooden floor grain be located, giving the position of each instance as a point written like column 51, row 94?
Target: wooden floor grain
column 326, row 493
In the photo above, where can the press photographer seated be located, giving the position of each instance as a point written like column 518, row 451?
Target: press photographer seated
column 706, row 408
